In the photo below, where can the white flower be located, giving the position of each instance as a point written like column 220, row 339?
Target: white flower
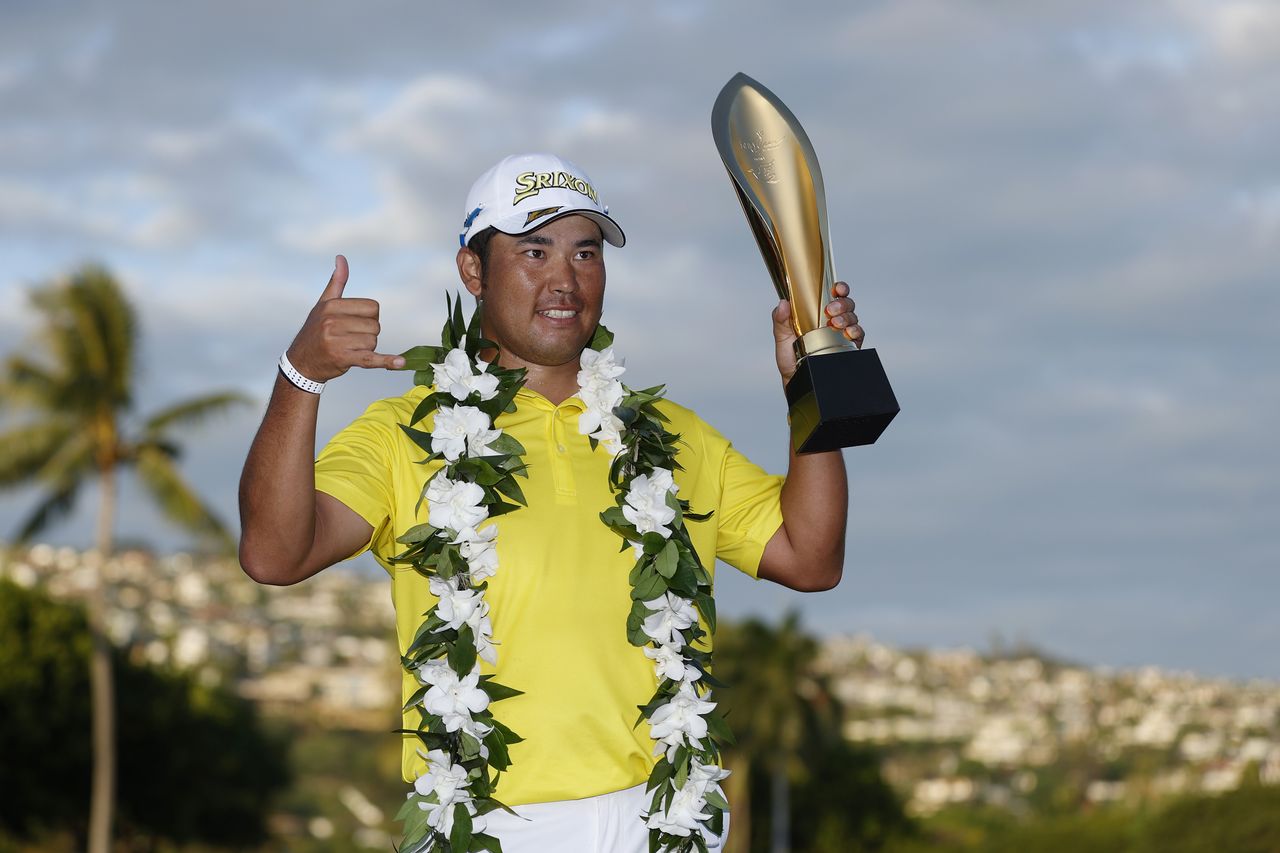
column 461, row 429
column 671, row 615
column 707, row 777
column 479, row 549
column 454, row 504
column 600, row 391
column 669, row 663
column 457, row 607
column 684, row 815
column 454, row 700
column 599, row 366
column 460, row 607
column 646, row 505
column 455, row 376
column 679, row 721
column 448, row 782
column 604, row 427
column 483, row 631
column 433, row 671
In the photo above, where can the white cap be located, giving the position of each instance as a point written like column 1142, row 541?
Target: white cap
column 526, row 191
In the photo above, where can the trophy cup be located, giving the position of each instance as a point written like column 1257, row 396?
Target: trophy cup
column 839, row 395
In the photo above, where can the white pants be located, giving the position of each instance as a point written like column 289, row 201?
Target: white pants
column 609, row 823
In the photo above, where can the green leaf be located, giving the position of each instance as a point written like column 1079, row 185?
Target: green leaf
column 419, row 357
column 707, row 607
column 462, row 657
column 718, row 728
column 508, row 445
column 713, row 797
column 508, row 735
column 651, row 585
column 683, row 581
column 499, row 757
column 509, row 487
column 653, row 542
column 668, row 560
column 409, row 806
column 470, row 746
column 426, row 406
column 418, row 437
column 416, row 697
column 417, row 533
column 460, row 838
column 601, row 338
column 661, row 773
column 501, row 508
column 497, row 692
column 416, row 828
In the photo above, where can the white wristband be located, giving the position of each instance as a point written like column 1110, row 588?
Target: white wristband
column 291, row 373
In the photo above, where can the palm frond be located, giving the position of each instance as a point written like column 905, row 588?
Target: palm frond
column 176, row 498
column 53, row 506
column 73, row 460
column 114, row 320
column 193, row 412
column 90, row 330
column 26, row 450
column 26, row 383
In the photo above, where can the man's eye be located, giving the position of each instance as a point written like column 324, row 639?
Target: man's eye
column 534, row 253
column 586, row 254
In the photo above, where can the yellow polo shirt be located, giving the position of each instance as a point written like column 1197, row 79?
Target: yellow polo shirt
column 560, row 598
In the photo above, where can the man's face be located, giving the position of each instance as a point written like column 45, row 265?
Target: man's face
column 543, row 292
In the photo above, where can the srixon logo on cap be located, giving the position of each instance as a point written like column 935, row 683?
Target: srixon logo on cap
column 531, row 183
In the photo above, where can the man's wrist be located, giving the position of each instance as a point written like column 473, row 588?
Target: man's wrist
column 296, row 379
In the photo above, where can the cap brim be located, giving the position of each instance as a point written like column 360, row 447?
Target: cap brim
column 609, row 229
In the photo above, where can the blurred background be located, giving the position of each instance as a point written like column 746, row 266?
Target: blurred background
column 1061, row 221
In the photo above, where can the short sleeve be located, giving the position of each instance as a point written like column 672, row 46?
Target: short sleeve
column 750, row 510
column 355, row 468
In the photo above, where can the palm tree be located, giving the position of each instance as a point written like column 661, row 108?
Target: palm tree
column 78, row 395
column 773, row 703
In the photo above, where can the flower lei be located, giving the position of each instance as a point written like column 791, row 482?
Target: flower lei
column 456, row 551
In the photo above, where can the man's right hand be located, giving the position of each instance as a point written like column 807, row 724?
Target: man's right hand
column 340, row 333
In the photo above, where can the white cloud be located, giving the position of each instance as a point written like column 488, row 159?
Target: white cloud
column 402, row 217
column 1244, row 31
column 426, row 120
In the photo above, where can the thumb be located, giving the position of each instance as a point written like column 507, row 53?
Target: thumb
column 782, row 320
column 337, row 281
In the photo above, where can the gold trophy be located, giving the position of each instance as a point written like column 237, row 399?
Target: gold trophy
column 839, row 396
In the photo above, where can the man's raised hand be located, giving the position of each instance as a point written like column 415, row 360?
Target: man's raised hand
column 839, row 314
column 340, row 333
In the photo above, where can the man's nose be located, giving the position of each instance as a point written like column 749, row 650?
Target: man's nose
column 564, row 277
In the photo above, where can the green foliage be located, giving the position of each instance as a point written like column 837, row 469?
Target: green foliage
column 195, row 764
column 1243, row 821
column 788, row 722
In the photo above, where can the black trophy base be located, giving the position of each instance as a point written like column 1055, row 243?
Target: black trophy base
column 839, row 399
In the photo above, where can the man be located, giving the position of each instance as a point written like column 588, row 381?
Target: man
column 533, row 255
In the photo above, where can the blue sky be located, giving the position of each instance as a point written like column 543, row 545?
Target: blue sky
column 1061, row 222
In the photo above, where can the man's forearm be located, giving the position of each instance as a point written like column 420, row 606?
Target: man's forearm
column 277, row 488
column 815, row 510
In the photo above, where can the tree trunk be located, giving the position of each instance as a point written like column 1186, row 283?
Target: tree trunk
column 101, row 683
column 738, row 789
column 781, row 810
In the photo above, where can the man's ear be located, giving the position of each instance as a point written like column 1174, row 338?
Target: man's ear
column 469, row 270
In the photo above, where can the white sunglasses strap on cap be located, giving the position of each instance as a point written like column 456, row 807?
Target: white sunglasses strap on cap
column 291, row 373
